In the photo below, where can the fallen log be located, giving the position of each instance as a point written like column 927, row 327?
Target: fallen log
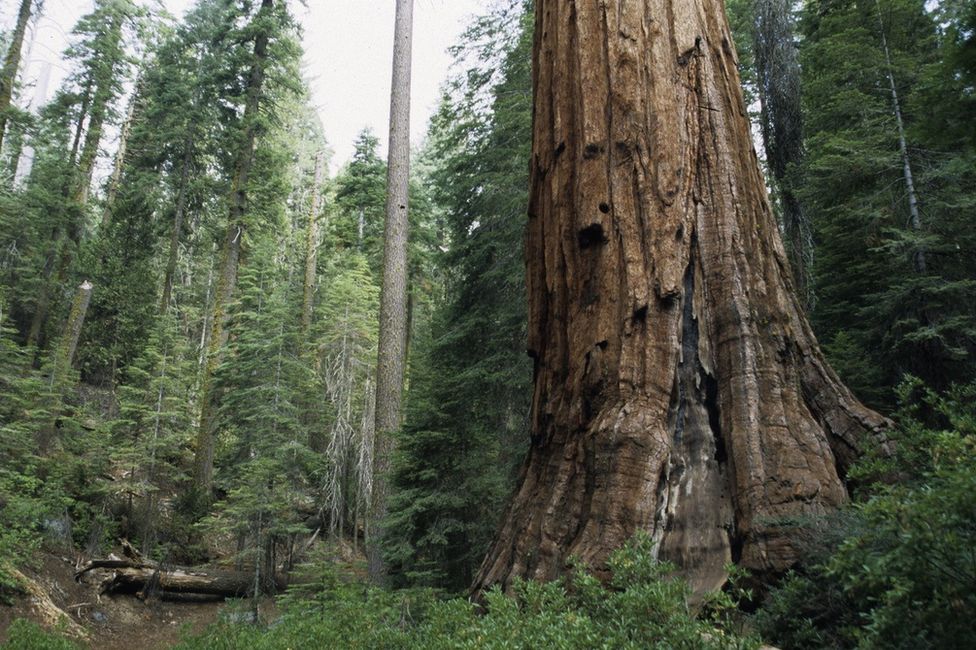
column 51, row 615
column 223, row 583
column 112, row 563
column 145, row 578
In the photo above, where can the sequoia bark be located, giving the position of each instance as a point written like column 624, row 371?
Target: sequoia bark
column 679, row 389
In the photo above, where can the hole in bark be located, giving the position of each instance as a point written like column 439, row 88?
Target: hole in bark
column 736, row 543
column 532, row 353
column 602, row 344
column 679, row 234
column 592, row 150
column 604, row 208
column 714, row 421
column 686, row 55
column 669, row 299
column 592, row 235
column 560, row 149
column 640, row 314
column 661, row 516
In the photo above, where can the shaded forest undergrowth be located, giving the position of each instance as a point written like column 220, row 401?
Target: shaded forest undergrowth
column 105, row 425
column 894, row 570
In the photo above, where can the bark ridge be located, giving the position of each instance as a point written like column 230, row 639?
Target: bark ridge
column 678, row 386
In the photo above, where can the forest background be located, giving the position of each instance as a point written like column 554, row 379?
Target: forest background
column 188, row 344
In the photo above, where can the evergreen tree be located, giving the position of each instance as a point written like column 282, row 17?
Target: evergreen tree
column 468, row 400
column 345, row 342
column 895, row 263
column 151, row 434
column 359, row 199
column 57, row 193
column 11, row 64
column 270, row 63
column 267, row 467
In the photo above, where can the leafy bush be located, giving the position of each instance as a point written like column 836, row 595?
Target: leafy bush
column 642, row 607
column 897, row 571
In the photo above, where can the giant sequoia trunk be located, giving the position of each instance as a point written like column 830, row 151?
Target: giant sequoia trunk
column 679, row 390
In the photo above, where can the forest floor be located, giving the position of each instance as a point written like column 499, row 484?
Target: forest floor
column 106, row 622
column 51, row 597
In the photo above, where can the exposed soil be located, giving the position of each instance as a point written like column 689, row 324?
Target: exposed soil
column 126, row 622
column 111, row 622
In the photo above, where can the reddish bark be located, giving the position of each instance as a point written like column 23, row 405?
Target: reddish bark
column 679, row 389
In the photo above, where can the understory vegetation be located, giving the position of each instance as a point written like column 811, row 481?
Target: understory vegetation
column 189, row 332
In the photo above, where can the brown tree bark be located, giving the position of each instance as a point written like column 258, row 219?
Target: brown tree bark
column 179, row 214
column 11, row 63
column 393, row 298
column 230, row 256
column 679, row 389
column 104, row 93
column 118, row 166
column 312, row 247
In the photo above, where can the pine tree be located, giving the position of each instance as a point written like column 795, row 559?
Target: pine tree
column 896, row 288
column 269, row 31
column 11, row 64
column 359, row 201
column 151, row 432
column 268, row 466
column 345, row 344
column 468, row 402
column 102, row 65
column 394, row 317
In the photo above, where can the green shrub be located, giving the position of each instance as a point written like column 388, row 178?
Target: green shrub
column 898, row 570
column 642, row 607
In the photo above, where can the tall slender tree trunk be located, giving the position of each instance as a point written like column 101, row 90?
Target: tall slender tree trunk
column 778, row 76
column 63, row 358
column 915, row 219
column 679, row 389
column 311, row 248
column 65, row 354
column 230, row 256
column 86, row 98
column 119, row 165
column 11, row 63
column 104, row 94
column 176, row 234
column 393, row 299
